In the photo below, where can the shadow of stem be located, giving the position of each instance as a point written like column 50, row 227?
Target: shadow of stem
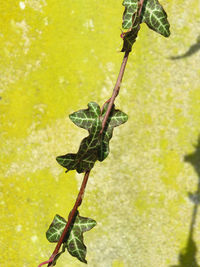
column 187, row 257
column 192, row 50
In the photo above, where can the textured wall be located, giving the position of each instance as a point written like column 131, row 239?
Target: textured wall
column 56, row 56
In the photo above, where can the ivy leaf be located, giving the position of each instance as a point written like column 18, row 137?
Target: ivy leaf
column 130, row 36
column 86, row 118
column 131, row 7
column 131, row 21
column 152, row 14
column 86, row 156
column 95, row 146
column 74, row 238
column 155, row 17
column 55, row 229
column 116, row 118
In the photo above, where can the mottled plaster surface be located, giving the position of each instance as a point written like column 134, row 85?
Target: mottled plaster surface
column 56, row 56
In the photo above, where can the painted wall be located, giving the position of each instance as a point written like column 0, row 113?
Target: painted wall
column 56, row 56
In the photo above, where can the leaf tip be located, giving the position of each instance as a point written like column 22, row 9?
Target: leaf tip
column 168, row 33
column 60, row 160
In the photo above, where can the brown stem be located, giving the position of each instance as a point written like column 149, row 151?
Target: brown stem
column 85, row 179
column 141, row 5
column 115, row 91
column 72, row 214
column 70, row 219
column 119, row 80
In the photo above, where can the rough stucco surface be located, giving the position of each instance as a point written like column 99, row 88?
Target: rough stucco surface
column 56, row 56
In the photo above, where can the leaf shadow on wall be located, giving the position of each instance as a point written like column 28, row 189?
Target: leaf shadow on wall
column 192, row 50
column 187, row 257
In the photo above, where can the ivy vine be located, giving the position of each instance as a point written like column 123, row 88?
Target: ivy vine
column 100, row 123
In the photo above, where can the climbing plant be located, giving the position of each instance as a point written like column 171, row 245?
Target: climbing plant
column 100, row 123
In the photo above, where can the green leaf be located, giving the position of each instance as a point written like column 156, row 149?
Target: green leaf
column 155, row 17
column 131, row 7
column 86, row 156
column 130, row 36
column 74, row 238
column 115, row 119
column 95, row 146
column 86, row 118
column 131, row 21
column 55, row 229
column 152, row 14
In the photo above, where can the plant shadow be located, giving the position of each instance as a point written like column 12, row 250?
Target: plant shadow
column 187, row 257
column 192, row 50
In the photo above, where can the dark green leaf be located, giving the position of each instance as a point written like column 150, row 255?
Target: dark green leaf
column 131, row 21
column 55, row 229
column 74, row 238
column 86, row 118
column 155, row 17
column 86, row 156
column 130, row 36
column 115, row 119
column 95, row 146
column 152, row 14
column 131, row 7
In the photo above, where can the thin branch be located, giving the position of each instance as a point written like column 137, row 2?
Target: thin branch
column 70, row 219
column 115, row 91
column 119, row 80
column 141, row 6
column 85, row 179
column 45, row 262
column 72, row 214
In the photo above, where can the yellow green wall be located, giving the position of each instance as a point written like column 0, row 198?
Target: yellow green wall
column 55, row 57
